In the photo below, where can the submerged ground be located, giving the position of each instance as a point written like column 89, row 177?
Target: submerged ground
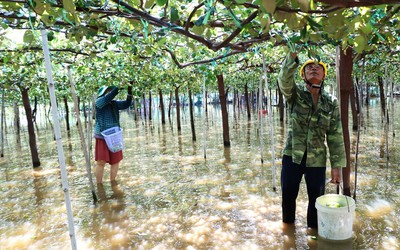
column 169, row 196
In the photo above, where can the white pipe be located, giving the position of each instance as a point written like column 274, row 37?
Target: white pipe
column 89, row 127
column 204, row 118
column 2, row 123
column 82, row 137
column 392, row 104
column 271, row 125
column 338, row 87
column 57, row 133
column 89, row 132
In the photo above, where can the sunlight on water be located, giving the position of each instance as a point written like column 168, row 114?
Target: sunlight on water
column 379, row 208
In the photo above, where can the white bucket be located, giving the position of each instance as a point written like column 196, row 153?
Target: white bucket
column 114, row 139
column 335, row 216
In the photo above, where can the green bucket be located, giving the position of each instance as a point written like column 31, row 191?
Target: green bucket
column 335, row 216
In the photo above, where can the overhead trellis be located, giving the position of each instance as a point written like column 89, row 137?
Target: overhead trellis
column 238, row 25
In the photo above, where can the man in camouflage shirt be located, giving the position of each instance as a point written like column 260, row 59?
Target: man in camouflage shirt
column 314, row 127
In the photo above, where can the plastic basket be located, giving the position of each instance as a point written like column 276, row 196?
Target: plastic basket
column 114, row 139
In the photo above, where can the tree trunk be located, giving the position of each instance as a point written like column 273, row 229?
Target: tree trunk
column 162, row 106
column 280, row 104
column 382, row 98
column 206, row 102
column 367, row 94
column 178, row 109
column 358, row 103
column 83, row 111
column 170, row 105
column 31, row 131
column 235, row 100
column 344, row 85
column 192, row 116
column 17, row 122
column 224, row 111
column 34, row 111
column 353, row 106
column 66, row 112
column 150, row 105
column 144, row 106
column 135, row 108
column 183, row 105
column 246, row 97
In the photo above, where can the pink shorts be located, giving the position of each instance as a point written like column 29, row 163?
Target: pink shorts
column 101, row 153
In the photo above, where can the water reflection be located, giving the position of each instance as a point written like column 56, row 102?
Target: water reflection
column 324, row 244
column 168, row 196
column 109, row 218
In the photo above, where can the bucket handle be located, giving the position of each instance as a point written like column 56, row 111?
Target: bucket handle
column 347, row 201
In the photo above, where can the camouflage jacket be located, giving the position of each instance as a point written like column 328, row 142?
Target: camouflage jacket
column 314, row 131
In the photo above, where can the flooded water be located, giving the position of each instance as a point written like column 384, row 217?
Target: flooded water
column 168, row 196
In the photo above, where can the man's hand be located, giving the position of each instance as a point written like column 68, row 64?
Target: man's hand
column 335, row 175
column 295, row 49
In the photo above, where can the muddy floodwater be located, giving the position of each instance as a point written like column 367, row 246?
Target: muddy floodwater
column 169, row 196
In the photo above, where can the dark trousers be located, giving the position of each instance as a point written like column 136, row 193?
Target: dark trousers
column 290, row 183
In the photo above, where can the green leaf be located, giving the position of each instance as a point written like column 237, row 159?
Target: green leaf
column 315, row 37
column 191, row 45
column 359, row 44
column 292, row 21
column 67, row 17
column 113, row 39
column 4, row 25
column 296, row 39
column 304, row 5
column 69, row 6
column 269, row 5
column 145, row 28
column 162, row 41
column 312, row 6
column 303, row 32
column 367, row 28
column 174, row 14
column 198, row 30
column 148, row 4
column 379, row 36
column 134, row 49
column 199, row 21
column 265, row 24
column 207, row 16
column 314, row 25
column 280, row 15
column 28, row 36
column 50, row 36
column 79, row 36
column 48, row 19
column 161, row 2
column 39, row 8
